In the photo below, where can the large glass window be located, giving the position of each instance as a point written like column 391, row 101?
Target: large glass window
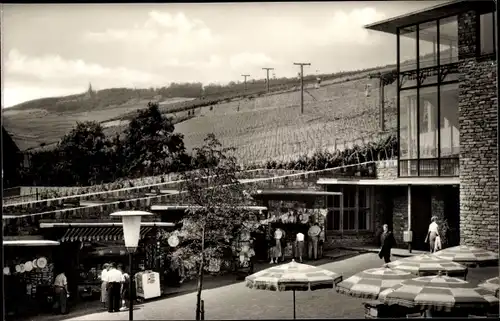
column 422, row 128
column 408, row 131
column 450, row 138
column 448, row 40
column 427, row 45
column 407, row 55
column 487, row 30
column 355, row 215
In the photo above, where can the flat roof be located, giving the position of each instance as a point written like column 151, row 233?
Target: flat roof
column 29, row 243
column 160, row 207
column 103, row 224
column 442, row 10
column 421, row 181
column 295, row 192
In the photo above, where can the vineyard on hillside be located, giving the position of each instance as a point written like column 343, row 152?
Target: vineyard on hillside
column 271, row 127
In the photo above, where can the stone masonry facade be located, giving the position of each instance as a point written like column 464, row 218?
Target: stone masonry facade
column 478, row 104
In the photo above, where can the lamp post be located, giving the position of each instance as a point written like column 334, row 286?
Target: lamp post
column 131, row 233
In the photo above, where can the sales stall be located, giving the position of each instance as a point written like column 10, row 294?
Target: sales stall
column 293, row 211
column 29, row 272
column 92, row 244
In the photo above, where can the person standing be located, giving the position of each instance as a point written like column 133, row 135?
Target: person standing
column 313, row 233
column 124, row 293
column 115, row 280
column 388, row 241
column 321, row 242
column 104, row 285
column 61, row 291
column 299, row 245
column 432, row 233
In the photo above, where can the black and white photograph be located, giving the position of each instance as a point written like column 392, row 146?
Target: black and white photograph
column 249, row 160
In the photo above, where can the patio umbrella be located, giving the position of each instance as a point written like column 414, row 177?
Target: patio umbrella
column 293, row 276
column 491, row 285
column 467, row 254
column 439, row 293
column 369, row 283
column 429, row 264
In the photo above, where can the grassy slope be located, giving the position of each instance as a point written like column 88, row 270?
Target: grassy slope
column 268, row 126
column 271, row 127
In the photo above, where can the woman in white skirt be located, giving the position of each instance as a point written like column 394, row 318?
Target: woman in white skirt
column 432, row 234
column 104, row 285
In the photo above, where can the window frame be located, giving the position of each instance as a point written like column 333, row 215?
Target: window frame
column 351, row 210
column 479, row 51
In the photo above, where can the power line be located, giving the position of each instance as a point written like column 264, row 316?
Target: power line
column 302, row 64
column 267, row 72
column 245, row 81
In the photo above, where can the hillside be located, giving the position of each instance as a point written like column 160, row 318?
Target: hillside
column 266, row 125
column 271, row 127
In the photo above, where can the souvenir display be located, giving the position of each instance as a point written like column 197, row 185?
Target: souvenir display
column 18, row 268
column 34, row 264
column 28, row 266
column 22, row 268
column 6, row 270
column 314, row 230
column 41, row 262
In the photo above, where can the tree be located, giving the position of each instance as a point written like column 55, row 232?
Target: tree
column 151, row 146
column 84, row 153
column 215, row 215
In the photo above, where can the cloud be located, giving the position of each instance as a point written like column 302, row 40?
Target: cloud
column 342, row 28
column 163, row 35
column 249, row 60
column 53, row 71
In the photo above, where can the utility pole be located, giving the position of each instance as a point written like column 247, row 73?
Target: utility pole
column 267, row 72
column 245, row 81
column 302, row 64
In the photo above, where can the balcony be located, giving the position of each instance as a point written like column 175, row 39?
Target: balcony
column 429, row 167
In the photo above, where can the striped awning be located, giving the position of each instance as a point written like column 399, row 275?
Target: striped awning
column 98, row 234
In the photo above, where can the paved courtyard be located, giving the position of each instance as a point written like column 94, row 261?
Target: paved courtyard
column 238, row 302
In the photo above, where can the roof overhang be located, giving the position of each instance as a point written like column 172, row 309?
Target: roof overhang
column 419, row 181
column 103, row 224
column 439, row 11
column 295, row 192
column 30, row 243
column 186, row 207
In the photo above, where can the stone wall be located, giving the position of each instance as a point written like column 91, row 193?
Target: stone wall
column 478, row 103
column 387, row 169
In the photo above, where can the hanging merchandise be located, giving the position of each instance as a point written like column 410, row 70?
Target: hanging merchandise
column 28, row 266
column 35, row 266
column 41, row 262
column 6, row 270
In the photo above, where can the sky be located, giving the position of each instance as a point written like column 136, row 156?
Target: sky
column 51, row 50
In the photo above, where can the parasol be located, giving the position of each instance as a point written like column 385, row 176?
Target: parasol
column 491, row 285
column 467, row 254
column 439, row 293
column 427, row 263
column 369, row 283
column 293, row 277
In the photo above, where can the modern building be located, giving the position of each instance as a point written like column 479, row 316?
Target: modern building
column 447, row 129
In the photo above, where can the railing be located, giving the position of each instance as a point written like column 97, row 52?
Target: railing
column 430, row 167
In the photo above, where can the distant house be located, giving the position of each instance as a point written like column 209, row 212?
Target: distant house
column 11, row 160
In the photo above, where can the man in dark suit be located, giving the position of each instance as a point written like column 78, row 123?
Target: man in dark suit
column 388, row 242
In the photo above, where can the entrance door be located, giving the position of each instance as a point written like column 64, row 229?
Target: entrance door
column 421, row 212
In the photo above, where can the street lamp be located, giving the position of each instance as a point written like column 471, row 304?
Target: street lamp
column 131, row 233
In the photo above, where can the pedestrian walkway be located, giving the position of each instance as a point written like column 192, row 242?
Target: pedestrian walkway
column 81, row 309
